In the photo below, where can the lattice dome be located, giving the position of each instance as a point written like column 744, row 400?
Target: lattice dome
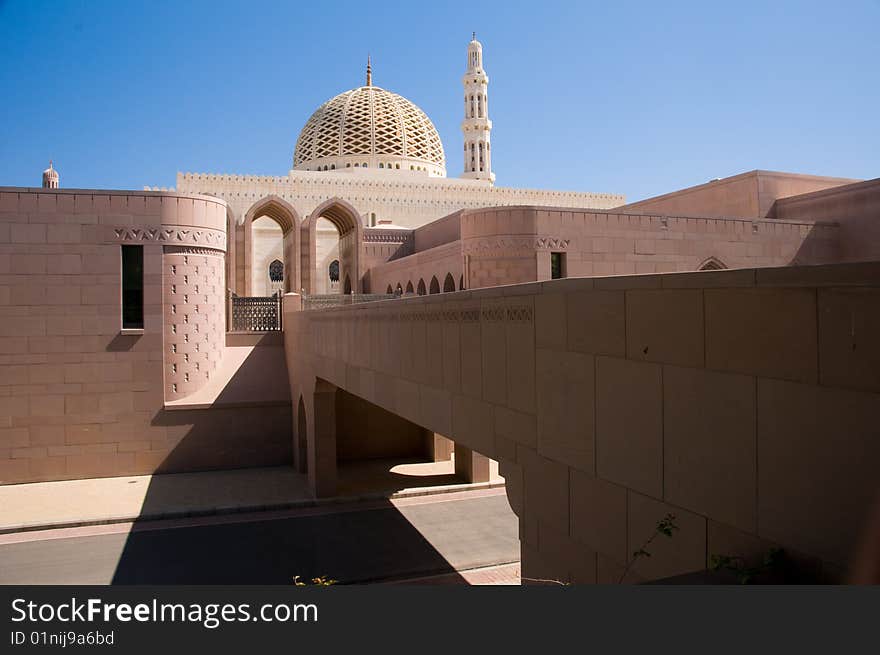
column 372, row 124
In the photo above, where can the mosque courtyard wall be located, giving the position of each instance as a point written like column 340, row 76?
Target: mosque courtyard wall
column 81, row 395
column 511, row 245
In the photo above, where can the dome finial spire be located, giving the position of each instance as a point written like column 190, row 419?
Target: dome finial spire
column 369, row 72
column 473, row 36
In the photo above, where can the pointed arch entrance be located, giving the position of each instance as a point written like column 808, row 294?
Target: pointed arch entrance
column 287, row 219
column 347, row 222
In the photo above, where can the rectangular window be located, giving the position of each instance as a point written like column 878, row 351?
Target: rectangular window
column 132, row 287
column 557, row 265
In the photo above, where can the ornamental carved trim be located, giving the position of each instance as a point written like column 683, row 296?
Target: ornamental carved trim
column 518, row 245
column 387, row 236
column 171, row 235
column 192, row 250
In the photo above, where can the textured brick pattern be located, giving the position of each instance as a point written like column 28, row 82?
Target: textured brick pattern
column 194, row 318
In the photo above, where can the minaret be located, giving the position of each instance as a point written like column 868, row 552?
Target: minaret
column 369, row 72
column 476, row 124
column 50, row 177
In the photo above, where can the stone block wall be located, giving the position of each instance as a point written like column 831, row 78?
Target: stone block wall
column 742, row 401
column 512, row 245
column 856, row 207
column 747, row 195
column 80, row 397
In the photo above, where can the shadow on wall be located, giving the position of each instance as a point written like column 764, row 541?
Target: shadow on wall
column 351, row 544
column 820, row 246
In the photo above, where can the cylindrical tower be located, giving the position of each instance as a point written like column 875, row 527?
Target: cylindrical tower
column 50, row 177
column 476, row 124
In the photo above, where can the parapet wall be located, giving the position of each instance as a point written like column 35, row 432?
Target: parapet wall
column 856, row 207
column 513, row 245
column 747, row 195
column 745, row 402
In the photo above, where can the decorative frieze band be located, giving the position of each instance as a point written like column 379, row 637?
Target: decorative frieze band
column 177, row 235
column 492, row 313
column 492, row 245
column 390, row 236
column 192, row 250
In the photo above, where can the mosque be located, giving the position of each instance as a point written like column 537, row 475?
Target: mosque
column 165, row 331
column 380, row 154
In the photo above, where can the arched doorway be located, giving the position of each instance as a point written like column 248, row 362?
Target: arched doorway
column 409, row 288
column 345, row 219
column 270, row 231
column 435, row 285
column 422, row 291
column 448, row 283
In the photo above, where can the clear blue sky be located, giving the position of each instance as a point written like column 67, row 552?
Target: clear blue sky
column 625, row 97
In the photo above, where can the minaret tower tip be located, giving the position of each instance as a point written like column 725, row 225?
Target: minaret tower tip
column 369, row 72
column 476, row 125
column 50, row 177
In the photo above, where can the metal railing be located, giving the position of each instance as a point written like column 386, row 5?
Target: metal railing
column 322, row 300
column 255, row 313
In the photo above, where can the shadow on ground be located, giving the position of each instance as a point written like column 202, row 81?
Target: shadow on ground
column 351, row 543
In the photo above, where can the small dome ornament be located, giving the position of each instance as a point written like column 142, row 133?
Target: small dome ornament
column 50, row 177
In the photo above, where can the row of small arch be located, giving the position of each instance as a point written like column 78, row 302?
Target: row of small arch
column 432, row 288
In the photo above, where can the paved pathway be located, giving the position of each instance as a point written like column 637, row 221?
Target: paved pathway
column 502, row 574
column 354, row 542
column 103, row 500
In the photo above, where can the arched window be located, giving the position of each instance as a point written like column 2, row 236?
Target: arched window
column 448, row 283
column 399, row 289
column 712, row 264
column 409, row 287
column 421, row 288
column 389, row 290
column 333, row 270
column 435, row 285
column 381, row 165
column 276, row 271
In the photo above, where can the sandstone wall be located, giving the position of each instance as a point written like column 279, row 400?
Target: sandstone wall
column 744, row 402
